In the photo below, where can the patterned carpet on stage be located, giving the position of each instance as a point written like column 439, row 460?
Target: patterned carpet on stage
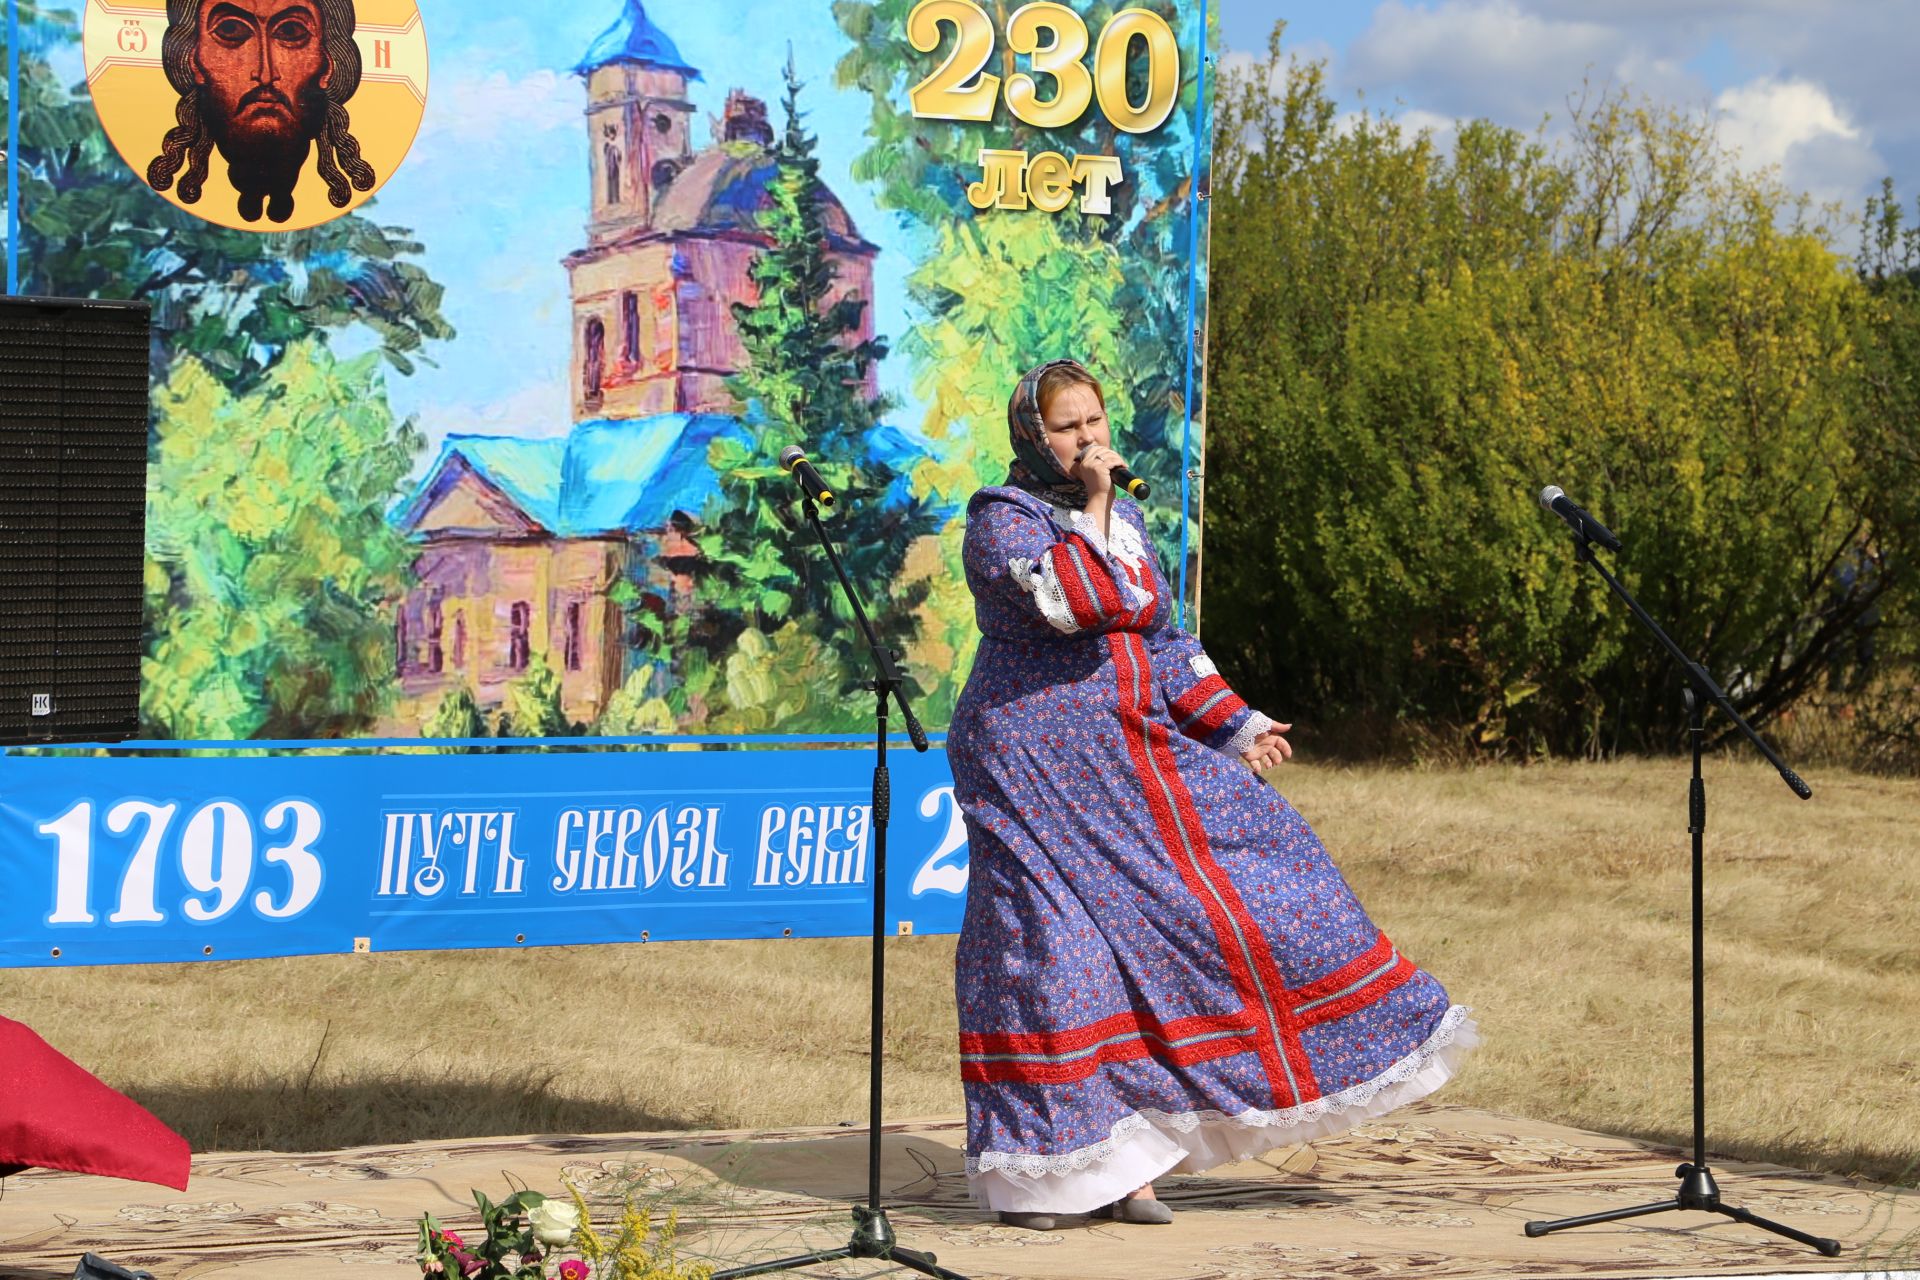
column 1441, row 1192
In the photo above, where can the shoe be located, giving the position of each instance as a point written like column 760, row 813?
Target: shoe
column 1031, row 1221
column 1142, row 1212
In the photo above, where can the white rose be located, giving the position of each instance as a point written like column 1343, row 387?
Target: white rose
column 553, row 1222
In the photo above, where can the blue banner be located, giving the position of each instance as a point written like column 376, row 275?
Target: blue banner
column 132, row 860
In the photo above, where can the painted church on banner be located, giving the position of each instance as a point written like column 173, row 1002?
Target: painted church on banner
column 521, row 540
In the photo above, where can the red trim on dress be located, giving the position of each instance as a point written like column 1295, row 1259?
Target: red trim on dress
column 1349, row 973
column 1124, row 1051
column 1105, row 591
column 1379, row 987
column 1125, row 1023
column 1085, row 612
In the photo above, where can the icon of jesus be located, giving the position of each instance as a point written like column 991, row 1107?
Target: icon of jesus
column 262, row 81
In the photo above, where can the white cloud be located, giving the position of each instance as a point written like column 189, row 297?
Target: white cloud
column 1480, row 57
column 471, row 106
column 1766, row 119
column 1817, row 88
column 1667, row 11
column 1796, row 125
column 538, row 409
column 1292, row 53
column 1443, row 128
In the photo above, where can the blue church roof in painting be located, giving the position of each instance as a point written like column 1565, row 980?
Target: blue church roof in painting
column 634, row 38
column 607, row 476
column 613, row 476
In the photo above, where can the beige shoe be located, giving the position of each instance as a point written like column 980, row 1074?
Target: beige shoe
column 1137, row 1210
column 1031, row 1221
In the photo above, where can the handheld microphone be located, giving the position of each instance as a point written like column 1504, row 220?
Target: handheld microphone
column 1556, row 501
column 1123, row 479
column 793, row 461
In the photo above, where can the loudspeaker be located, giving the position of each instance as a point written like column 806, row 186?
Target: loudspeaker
column 73, row 517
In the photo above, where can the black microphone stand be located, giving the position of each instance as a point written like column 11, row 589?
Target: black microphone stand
column 1697, row 1188
column 873, row 1235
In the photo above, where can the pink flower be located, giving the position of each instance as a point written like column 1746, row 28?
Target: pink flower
column 453, row 1238
column 573, row 1269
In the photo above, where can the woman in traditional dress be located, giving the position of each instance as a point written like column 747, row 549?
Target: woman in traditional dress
column 1160, row 969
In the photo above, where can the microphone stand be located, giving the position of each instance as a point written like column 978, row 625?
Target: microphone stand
column 873, row 1235
column 1697, row 1188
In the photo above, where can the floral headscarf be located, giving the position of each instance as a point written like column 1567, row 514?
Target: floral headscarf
column 1035, row 469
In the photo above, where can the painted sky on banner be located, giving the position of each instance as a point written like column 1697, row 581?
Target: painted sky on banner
column 496, row 185
column 1821, row 88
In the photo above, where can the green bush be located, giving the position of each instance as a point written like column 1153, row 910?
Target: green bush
column 1406, row 346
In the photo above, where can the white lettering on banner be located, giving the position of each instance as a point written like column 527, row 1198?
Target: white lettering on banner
column 467, row 839
column 593, row 849
column 509, row 868
column 136, row 883
column 214, row 857
column 812, row 844
column 303, row 866
column 936, row 874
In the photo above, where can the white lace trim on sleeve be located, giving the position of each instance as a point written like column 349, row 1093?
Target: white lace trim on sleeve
column 1043, row 584
column 1202, row 666
column 1256, row 725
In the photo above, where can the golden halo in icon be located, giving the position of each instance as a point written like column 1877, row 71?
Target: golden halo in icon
column 263, row 115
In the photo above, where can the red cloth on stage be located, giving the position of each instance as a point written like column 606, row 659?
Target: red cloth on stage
column 56, row 1115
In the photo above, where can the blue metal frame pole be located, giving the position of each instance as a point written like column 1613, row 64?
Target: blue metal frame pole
column 1193, row 330
column 13, row 146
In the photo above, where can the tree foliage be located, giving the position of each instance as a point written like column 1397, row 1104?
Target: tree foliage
column 1886, row 668
column 998, row 291
column 233, row 300
column 804, row 382
column 272, row 571
column 1407, row 345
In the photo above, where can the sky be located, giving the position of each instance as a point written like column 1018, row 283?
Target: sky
column 496, row 186
column 1820, row 88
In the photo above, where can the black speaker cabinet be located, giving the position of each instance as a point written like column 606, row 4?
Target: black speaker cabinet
column 73, row 517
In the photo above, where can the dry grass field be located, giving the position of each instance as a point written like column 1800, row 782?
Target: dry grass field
column 1553, row 898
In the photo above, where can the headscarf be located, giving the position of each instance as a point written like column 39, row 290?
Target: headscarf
column 1035, row 468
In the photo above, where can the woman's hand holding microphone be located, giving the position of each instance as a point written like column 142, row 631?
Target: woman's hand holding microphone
column 1094, row 467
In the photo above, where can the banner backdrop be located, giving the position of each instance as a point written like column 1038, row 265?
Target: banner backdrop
column 484, row 449
column 128, row 860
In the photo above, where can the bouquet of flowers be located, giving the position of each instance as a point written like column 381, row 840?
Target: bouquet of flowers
column 526, row 1235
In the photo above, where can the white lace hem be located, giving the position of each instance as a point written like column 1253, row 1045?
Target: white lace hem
column 1257, row 724
column 1149, row 1143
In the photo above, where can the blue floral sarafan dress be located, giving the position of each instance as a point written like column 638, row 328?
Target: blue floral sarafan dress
column 1160, row 968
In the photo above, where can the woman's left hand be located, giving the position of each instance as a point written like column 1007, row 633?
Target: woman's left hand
column 1269, row 750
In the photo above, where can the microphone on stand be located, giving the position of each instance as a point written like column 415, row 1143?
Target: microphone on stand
column 793, row 461
column 1123, row 479
column 1555, row 500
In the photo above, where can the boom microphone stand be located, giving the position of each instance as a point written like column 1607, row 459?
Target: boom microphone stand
column 1697, row 1188
column 873, row 1235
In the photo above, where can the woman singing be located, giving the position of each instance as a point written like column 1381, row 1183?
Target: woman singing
column 1160, row 968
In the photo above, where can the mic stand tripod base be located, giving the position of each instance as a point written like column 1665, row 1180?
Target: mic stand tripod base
column 872, row 1238
column 1698, row 1191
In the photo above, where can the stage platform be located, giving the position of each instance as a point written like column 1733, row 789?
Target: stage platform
column 1439, row 1192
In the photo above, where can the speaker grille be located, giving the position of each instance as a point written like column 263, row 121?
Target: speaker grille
column 73, row 507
